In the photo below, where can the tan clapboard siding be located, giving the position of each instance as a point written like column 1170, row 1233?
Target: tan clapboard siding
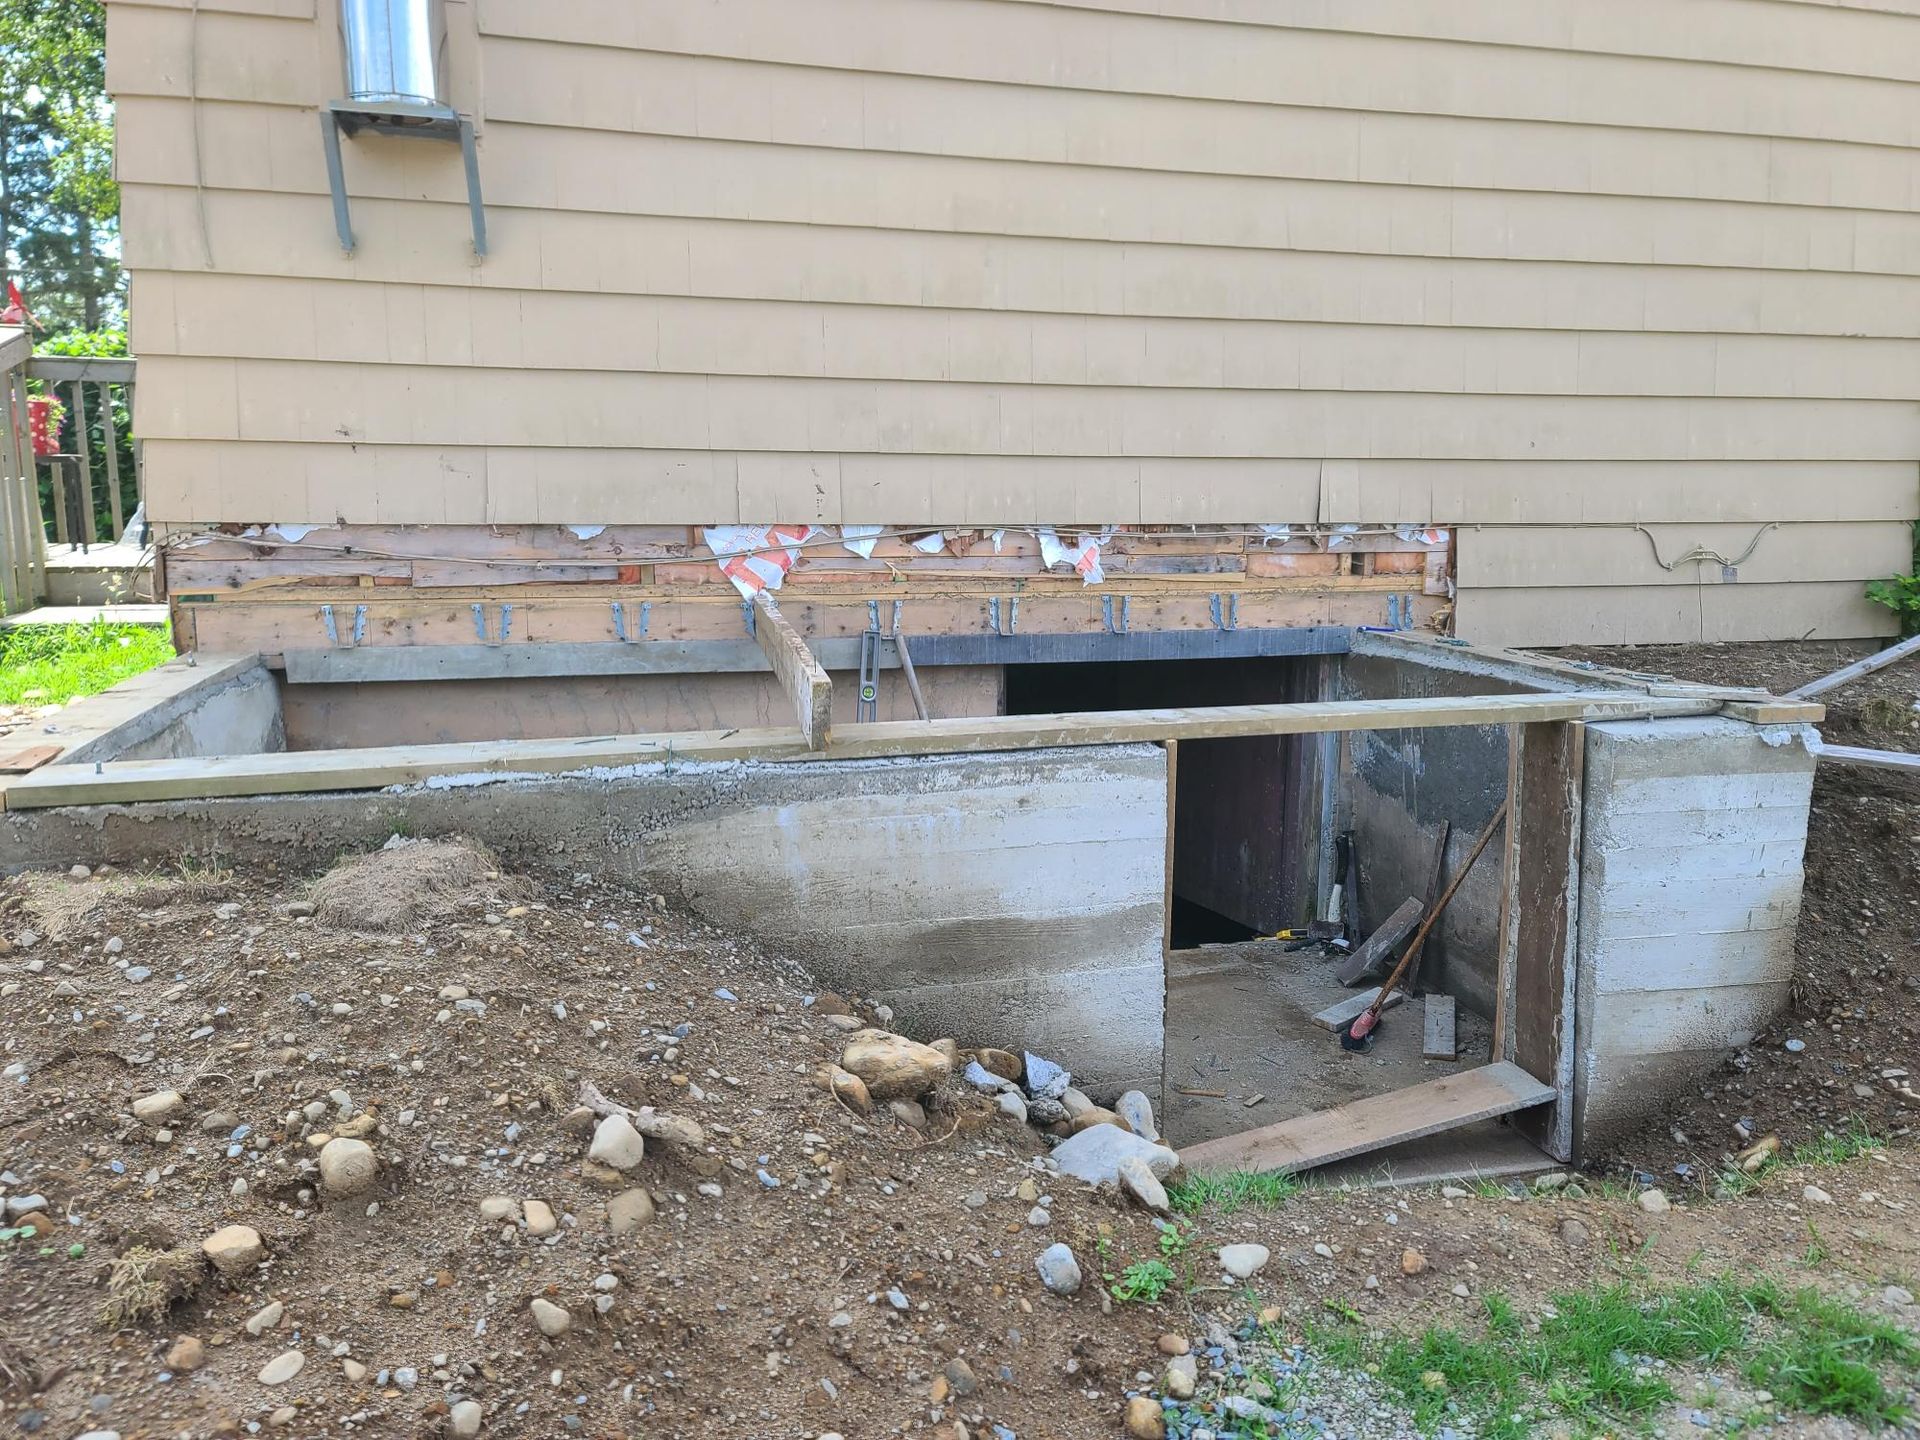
column 250, row 147
column 591, row 87
column 1670, row 615
column 414, row 241
column 363, row 322
column 1534, row 556
column 1731, row 31
column 1051, row 45
column 198, row 398
column 1535, row 270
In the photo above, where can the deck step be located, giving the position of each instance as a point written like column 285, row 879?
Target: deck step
column 1373, row 1123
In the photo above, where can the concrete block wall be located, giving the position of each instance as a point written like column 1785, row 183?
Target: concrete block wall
column 1693, row 838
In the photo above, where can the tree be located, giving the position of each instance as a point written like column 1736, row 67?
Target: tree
column 59, row 207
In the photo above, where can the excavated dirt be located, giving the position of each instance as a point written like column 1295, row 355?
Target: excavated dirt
column 1856, row 991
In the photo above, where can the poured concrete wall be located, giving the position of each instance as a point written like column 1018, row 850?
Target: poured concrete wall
column 1012, row 898
column 1690, row 877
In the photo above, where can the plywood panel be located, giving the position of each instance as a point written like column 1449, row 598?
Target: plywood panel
column 1551, row 556
column 537, row 166
column 257, row 232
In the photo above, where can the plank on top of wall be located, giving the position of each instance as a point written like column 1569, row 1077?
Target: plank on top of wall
column 370, row 322
column 257, row 232
column 1669, row 614
column 1538, row 555
column 595, row 87
column 1022, row 44
column 183, row 398
column 257, row 147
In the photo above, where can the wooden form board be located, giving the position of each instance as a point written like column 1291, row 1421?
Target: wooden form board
column 1343, row 1013
column 1534, row 1018
column 800, row 675
column 1438, row 1028
column 1378, row 947
column 308, row 771
column 1872, row 759
column 1372, row 1124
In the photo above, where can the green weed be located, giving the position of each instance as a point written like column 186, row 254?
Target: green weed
column 1146, row 1281
column 1838, row 1147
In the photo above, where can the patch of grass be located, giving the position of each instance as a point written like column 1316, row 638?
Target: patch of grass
column 52, row 664
column 145, row 1283
column 1837, row 1147
column 1592, row 1359
column 1224, row 1194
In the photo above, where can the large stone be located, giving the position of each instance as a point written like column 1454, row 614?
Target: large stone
column 1059, row 1271
column 347, row 1167
column 628, row 1211
column 1003, row 1063
column 850, row 1088
column 464, row 1418
column 500, row 1209
column 1144, row 1419
column 541, row 1221
column 234, row 1249
column 1182, row 1377
column 1087, row 1119
column 1654, row 1202
column 894, row 1067
column 676, row 1132
column 1094, row 1155
column 1141, row 1183
column 550, row 1319
column 282, row 1368
column 1074, row 1102
column 1243, row 1262
column 186, row 1353
column 1136, row 1112
column 617, row 1143
column 154, row 1108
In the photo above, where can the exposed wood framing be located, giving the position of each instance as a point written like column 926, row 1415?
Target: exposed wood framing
column 800, row 675
column 373, row 768
column 1537, row 963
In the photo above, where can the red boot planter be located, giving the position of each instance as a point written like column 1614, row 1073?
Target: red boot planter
column 43, row 424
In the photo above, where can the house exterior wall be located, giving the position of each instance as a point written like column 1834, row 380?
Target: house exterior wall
column 1540, row 271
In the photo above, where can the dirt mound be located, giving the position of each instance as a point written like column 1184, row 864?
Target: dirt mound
column 409, row 884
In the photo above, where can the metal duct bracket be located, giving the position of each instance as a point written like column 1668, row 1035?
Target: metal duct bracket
column 420, row 119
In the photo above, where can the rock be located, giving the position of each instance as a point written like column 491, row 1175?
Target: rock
column 1460, row 1289
column 1757, row 1154
column 628, row 1211
column 1003, row 1063
column 1814, row 1195
column 617, row 1144
column 1898, row 1296
column 1087, row 1119
column 1074, row 1102
column 1182, row 1377
column 347, row 1167
column 974, row 1199
column 1551, row 1181
column 1412, row 1262
column 1013, row 1105
column 1171, row 1344
column 1028, row 1190
column 550, row 1319
column 579, row 1122
column 1144, row 1420
column 464, row 1418
column 850, row 1088
column 1143, row 1185
column 981, row 1078
column 499, row 1209
column 1038, row 1218
column 1574, row 1234
column 152, row 1109
column 960, row 1377
column 1654, row 1202
column 1094, row 1155
column 353, row 1370
column 1059, row 1271
column 186, row 1353
column 541, row 1221
column 265, row 1318
column 1243, row 1262
column 894, row 1067
column 909, row 1113
column 1452, row 1192
column 948, row 1047
column 282, row 1368
column 1136, row 1113
column 18, row 1205
column 234, row 1249
column 1044, row 1079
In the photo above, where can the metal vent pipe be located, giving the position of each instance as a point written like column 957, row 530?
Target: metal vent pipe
column 393, row 48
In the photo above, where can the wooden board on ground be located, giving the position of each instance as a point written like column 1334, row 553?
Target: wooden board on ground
column 1343, row 1013
column 1437, row 1042
column 19, row 762
column 1872, row 759
column 1372, row 1124
column 1376, row 953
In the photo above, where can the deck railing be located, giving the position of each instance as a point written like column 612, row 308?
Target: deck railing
column 84, row 483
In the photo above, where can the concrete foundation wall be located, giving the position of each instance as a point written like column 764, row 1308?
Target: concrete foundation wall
column 1011, row 898
column 1396, row 788
column 234, row 713
column 1690, row 880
